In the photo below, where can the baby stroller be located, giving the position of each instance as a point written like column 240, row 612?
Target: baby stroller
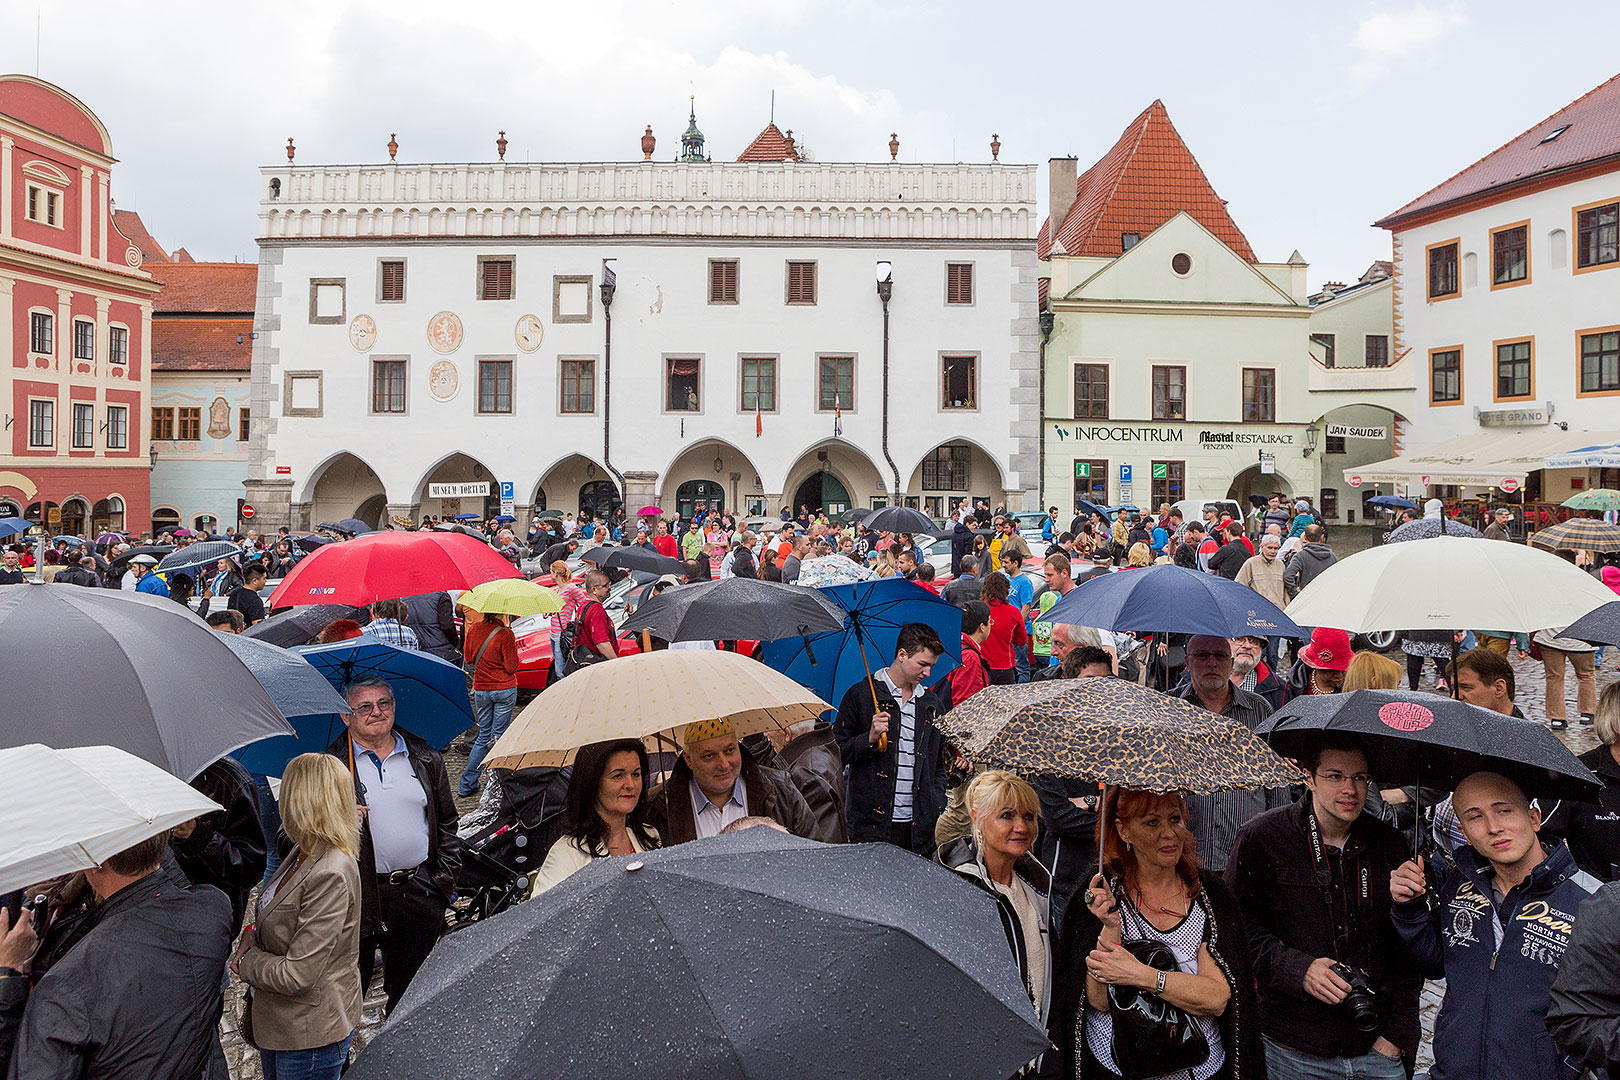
column 505, row 840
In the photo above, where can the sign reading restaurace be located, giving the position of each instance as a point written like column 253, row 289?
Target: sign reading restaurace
column 1349, row 431
column 458, row 491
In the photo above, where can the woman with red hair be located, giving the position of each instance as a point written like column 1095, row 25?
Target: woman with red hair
column 1152, row 889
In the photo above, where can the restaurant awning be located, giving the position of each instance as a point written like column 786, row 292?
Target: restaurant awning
column 1482, row 460
column 1599, row 455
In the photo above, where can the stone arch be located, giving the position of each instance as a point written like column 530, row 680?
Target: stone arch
column 738, row 474
column 983, row 476
column 857, row 474
column 337, row 488
column 456, row 467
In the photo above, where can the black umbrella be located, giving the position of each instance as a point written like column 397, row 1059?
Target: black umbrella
column 102, row 667
column 737, row 609
column 157, row 551
column 854, row 515
column 309, row 541
column 301, row 625
column 1600, row 626
column 901, row 519
column 755, row 954
column 205, row 554
column 348, row 527
column 633, row 558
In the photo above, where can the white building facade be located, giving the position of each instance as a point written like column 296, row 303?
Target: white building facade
column 429, row 333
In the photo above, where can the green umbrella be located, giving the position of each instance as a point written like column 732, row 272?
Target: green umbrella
column 1602, row 499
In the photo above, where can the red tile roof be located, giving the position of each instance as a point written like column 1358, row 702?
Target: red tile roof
column 1146, row 179
column 1593, row 134
column 130, row 224
column 201, row 343
column 206, row 287
column 770, row 145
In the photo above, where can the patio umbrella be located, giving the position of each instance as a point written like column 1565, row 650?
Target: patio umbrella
column 1579, row 534
column 511, row 596
column 736, row 609
column 832, row 570
column 1172, row 600
column 1601, row 626
column 1426, row 528
column 1394, row 502
column 1601, row 499
column 92, row 667
column 67, row 810
column 647, row 696
column 301, row 625
column 649, row 511
column 430, row 694
column 900, row 519
column 385, row 565
column 750, row 955
column 198, row 555
column 633, row 558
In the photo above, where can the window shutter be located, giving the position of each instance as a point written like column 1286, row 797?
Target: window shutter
column 393, row 281
column 801, row 283
column 497, row 279
column 959, row 283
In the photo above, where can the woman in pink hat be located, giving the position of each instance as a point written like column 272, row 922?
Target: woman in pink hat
column 1321, row 665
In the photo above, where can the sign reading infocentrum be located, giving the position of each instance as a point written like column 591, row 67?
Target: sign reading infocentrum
column 1214, row 440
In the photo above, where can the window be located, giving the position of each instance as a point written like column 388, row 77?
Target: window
column 1515, row 369
column 801, row 282
column 1329, row 502
column 188, row 427
column 494, row 386
column 1445, row 376
column 84, row 426
column 42, row 423
column 244, row 426
column 1327, row 342
column 578, row 386
column 1510, row 255
column 495, row 277
column 304, row 392
column 1443, row 281
column 1259, row 394
column 84, row 339
column 1597, row 236
column 1091, row 391
column 759, row 383
column 391, row 281
column 1091, row 482
column 1169, row 481
column 118, row 345
column 1335, row 444
column 1377, row 351
column 44, row 206
column 959, row 382
column 1169, row 393
column 1181, row 264
column 835, row 383
column 571, row 298
column 117, row 427
column 959, row 283
column 1608, row 478
column 41, row 332
column 388, row 386
column 722, row 281
column 1128, row 240
column 946, row 468
column 327, row 301
column 162, row 423
column 683, row 383
column 1600, row 361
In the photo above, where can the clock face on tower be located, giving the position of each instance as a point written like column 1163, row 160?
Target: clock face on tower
column 529, row 333
column 444, row 332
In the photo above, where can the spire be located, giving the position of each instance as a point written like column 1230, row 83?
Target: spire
column 692, row 138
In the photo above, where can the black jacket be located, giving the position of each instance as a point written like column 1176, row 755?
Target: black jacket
column 77, row 575
column 1069, row 838
column 444, row 846
column 816, row 766
column 227, row 849
column 1584, row 1014
column 1229, row 559
column 138, row 998
column 962, row 591
column 961, row 545
column 433, row 617
column 871, row 772
column 1277, row 883
column 961, row 856
column 1592, row 829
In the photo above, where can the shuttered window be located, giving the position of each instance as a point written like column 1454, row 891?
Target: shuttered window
column 722, row 281
column 392, row 286
column 495, row 278
column 801, row 282
column 959, row 283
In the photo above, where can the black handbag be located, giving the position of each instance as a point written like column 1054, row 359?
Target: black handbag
column 1151, row 1036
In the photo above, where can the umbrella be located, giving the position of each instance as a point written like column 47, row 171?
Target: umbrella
column 900, row 519
column 198, row 555
column 348, row 526
column 633, row 558
column 451, row 527
column 467, row 517
column 503, row 519
column 66, row 810
column 511, row 596
column 109, row 538
column 297, row 688
column 11, row 526
column 643, row 695
column 1422, row 739
column 874, row 613
column 702, row 956
column 1579, row 534
column 548, row 514
column 301, row 625
column 430, row 694
column 736, row 609
column 182, row 532
column 1172, row 599
column 1427, row 528
column 1602, row 499
column 855, row 515
column 309, row 541
column 1601, row 456
column 1394, row 502
column 70, row 541
column 648, row 511
column 385, row 565
column 91, row 667
column 1600, row 626
column 157, row 551
column 831, row 570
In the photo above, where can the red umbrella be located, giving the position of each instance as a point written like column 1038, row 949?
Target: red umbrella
column 394, row 563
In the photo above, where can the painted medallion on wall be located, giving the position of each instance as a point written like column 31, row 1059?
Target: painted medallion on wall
column 443, row 379
column 444, row 332
column 219, row 419
column 362, row 333
column 529, row 333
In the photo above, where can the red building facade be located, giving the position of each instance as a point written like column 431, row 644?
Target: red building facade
column 75, row 316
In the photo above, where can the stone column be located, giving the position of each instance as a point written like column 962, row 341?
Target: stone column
column 411, row 511
column 640, row 489
column 272, row 505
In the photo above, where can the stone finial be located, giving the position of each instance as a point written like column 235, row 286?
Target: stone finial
column 894, row 147
column 393, row 144
column 500, row 146
column 792, row 151
column 648, row 144
column 995, row 148
column 291, row 149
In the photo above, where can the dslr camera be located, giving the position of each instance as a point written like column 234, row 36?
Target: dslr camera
column 1361, row 1002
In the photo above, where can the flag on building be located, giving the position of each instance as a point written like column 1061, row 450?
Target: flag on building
column 838, row 415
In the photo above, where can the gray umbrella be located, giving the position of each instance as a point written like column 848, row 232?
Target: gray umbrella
column 92, row 667
column 205, row 554
column 1424, row 528
column 296, row 686
column 301, row 625
column 901, row 519
column 755, row 954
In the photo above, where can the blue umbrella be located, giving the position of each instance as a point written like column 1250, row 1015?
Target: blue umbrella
column 1394, row 502
column 73, row 541
column 830, row 663
column 1172, row 600
column 504, row 519
column 466, row 517
column 11, row 526
column 302, row 694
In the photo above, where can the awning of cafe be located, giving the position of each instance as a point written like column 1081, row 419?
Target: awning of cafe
column 1482, row 460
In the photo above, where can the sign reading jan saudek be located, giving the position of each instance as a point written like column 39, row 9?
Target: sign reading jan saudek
column 1350, row 431
column 1213, row 440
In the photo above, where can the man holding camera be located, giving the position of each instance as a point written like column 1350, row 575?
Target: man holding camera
column 1337, row 994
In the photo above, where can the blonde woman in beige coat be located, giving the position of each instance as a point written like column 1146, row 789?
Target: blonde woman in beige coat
column 299, row 956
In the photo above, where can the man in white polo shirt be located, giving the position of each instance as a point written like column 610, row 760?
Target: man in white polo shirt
column 409, row 850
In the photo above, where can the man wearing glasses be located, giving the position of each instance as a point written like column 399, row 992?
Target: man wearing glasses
column 409, row 850
column 1337, row 994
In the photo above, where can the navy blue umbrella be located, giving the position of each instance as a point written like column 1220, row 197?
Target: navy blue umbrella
column 830, row 663
column 1172, row 600
column 1394, row 502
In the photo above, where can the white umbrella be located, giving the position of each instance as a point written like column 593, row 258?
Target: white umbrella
column 1448, row 583
column 66, row 810
column 832, row 570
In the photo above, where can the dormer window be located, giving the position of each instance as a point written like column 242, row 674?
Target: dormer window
column 46, row 186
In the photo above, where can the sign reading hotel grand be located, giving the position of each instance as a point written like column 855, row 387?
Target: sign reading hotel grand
column 1214, row 440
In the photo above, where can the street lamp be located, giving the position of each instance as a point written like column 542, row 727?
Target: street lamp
column 1310, row 441
column 885, row 289
column 610, row 285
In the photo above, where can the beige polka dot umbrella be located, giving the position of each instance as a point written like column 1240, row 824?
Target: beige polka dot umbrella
column 651, row 696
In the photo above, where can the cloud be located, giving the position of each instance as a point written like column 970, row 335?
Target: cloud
column 1387, row 39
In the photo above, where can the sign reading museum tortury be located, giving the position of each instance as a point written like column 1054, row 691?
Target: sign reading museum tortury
column 458, row 491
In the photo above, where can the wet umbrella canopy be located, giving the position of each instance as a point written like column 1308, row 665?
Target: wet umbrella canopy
column 204, row 555
column 1600, row 627
column 1426, row 528
column 301, row 625
column 901, row 519
column 632, row 558
column 1171, row 599
column 755, row 954
column 736, row 608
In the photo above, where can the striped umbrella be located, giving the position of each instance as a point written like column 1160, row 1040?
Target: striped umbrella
column 1579, row 534
column 1602, row 499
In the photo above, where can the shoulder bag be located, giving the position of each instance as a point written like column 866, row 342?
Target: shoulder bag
column 1151, row 1036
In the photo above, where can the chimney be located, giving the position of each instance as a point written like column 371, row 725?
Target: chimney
column 1061, row 191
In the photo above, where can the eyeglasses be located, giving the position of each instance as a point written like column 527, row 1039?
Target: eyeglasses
column 1337, row 778
column 366, row 708
column 1209, row 657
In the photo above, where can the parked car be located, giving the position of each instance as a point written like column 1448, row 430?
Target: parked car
column 1193, row 509
column 533, row 632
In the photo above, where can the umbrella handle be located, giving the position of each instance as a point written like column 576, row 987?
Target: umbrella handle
column 1102, row 822
column 883, row 739
column 804, row 632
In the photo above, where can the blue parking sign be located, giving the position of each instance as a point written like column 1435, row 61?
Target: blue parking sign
column 506, row 491
column 1124, row 474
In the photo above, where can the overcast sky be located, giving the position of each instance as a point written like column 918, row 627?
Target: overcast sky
column 1312, row 119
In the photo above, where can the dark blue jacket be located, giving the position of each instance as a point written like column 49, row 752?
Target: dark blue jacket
column 871, row 772
column 1493, row 1022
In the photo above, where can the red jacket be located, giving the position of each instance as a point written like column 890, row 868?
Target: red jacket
column 971, row 675
column 1006, row 631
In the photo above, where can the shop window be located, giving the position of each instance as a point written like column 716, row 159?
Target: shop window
column 1169, row 481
